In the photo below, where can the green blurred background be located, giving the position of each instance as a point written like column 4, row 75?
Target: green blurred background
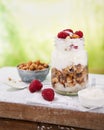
column 28, row 28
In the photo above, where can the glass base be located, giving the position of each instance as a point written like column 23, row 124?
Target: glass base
column 65, row 93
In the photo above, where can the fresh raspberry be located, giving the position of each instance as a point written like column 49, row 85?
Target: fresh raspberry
column 75, row 47
column 62, row 34
column 48, row 94
column 79, row 33
column 69, row 30
column 35, row 85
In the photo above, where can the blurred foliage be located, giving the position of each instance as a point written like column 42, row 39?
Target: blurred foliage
column 28, row 27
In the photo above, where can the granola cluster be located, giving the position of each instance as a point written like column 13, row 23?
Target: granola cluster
column 36, row 65
column 70, row 76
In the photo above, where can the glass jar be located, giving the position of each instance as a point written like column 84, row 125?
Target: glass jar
column 69, row 72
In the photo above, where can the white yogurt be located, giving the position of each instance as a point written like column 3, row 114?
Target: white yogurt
column 62, row 60
column 91, row 97
column 65, row 44
column 64, row 56
column 71, row 89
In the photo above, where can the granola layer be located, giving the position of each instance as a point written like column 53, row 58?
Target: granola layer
column 71, row 79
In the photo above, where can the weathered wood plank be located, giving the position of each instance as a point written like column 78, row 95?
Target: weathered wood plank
column 55, row 116
column 11, row 124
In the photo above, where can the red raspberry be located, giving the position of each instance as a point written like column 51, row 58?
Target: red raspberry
column 48, row 94
column 62, row 34
column 79, row 33
column 35, row 85
column 69, row 30
column 75, row 47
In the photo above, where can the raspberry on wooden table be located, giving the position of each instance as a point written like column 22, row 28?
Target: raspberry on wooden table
column 48, row 94
column 35, row 85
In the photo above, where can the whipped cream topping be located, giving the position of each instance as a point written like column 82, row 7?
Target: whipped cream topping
column 69, row 44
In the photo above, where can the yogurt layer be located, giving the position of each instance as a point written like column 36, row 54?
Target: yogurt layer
column 62, row 60
column 69, row 44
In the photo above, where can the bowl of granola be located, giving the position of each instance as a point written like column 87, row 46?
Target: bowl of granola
column 33, row 70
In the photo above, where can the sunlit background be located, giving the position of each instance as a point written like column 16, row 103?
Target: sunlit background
column 28, row 28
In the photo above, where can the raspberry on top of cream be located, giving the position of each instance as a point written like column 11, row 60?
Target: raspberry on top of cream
column 67, row 40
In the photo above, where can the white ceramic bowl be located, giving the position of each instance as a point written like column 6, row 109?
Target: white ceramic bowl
column 91, row 97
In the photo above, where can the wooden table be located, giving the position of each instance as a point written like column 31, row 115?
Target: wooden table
column 22, row 116
column 28, row 117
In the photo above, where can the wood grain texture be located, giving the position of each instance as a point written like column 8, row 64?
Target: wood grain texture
column 55, row 116
column 11, row 124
